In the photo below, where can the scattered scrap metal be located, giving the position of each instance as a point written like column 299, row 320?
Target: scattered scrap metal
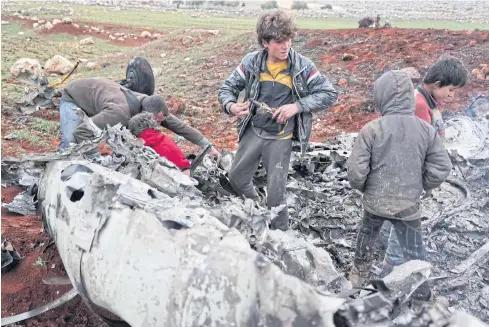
column 10, row 257
column 93, row 204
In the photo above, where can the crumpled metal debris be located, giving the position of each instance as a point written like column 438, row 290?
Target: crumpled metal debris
column 36, row 99
column 324, row 211
column 465, row 136
column 199, row 270
column 480, row 256
column 22, row 204
column 299, row 258
column 479, row 108
column 10, row 257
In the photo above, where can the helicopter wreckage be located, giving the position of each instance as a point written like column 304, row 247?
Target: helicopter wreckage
column 158, row 248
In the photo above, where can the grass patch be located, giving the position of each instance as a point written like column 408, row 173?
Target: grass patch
column 12, row 29
column 26, row 135
column 37, row 131
column 172, row 20
column 46, row 127
column 40, row 262
column 42, row 48
column 11, row 92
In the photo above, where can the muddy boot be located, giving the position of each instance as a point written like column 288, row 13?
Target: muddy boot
column 358, row 276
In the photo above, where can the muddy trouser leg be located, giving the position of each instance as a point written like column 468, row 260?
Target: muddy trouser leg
column 411, row 240
column 69, row 121
column 276, row 158
column 246, row 163
column 367, row 234
column 393, row 255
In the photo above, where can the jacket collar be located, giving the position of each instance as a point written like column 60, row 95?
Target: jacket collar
column 260, row 61
column 429, row 98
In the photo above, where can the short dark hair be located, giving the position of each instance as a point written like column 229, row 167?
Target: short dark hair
column 275, row 25
column 154, row 104
column 449, row 71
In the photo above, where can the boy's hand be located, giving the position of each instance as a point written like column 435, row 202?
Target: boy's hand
column 285, row 112
column 240, row 110
column 213, row 153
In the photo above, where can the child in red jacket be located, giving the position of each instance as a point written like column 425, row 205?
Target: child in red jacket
column 444, row 77
column 144, row 126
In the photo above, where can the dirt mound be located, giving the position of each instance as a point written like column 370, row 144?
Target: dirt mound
column 374, row 51
column 83, row 29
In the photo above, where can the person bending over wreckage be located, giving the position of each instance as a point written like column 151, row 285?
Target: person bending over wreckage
column 144, row 126
column 106, row 102
column 393, row 159
column 282, row 90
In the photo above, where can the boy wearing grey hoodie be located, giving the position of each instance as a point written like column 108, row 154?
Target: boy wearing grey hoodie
column 393, row 160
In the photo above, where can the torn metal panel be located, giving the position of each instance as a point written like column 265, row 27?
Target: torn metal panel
column 22, row 204
column 205, row 274
column 465, row 136
column 405, row 279
column 480, row 256
column 10, row 257
column 479, row 109
column 325, row 217
column 299, row 258
column 38, row 96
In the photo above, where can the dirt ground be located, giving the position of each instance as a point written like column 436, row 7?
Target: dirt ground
column 373, row 52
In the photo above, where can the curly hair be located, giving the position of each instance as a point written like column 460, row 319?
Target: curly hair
column 275, row 25
column 140, row 122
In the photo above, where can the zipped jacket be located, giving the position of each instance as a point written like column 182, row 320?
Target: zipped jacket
column 310, row 90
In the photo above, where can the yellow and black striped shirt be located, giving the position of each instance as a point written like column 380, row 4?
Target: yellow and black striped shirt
column 276, row 91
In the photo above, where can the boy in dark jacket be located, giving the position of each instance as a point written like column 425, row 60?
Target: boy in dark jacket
column 393, row 160
column 441, row 80
column 293, row 88
column 144, row 126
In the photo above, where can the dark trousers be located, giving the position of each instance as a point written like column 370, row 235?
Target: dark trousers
column 275, row 155
column 408, row 234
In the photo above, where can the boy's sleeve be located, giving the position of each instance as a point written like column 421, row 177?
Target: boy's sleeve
column 359, row 161
column 423, row 112
column 437, row 164
column 233, row 85
column 322, row 94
